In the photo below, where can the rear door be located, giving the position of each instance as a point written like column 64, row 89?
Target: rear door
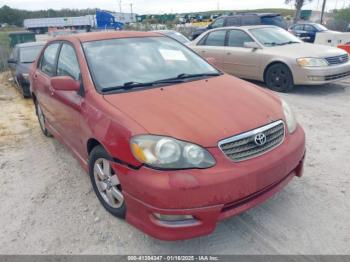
column 213, row 46
column 41, row 80
column 239, row 60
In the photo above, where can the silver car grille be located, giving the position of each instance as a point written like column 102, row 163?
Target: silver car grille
column 336, row 60
column 246, row 146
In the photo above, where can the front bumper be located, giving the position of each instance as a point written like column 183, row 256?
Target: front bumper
column 322, row 75
column 209, row 195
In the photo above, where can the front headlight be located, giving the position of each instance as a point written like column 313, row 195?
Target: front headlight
column 169, row 153
column 290, row 117
column 312, row 62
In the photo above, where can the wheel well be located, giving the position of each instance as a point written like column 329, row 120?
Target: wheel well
column 91, row 144
column 274, row 63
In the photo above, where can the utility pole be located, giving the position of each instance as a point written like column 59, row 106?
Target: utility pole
column 131, row 13
column 323, row 10
column 120, row 6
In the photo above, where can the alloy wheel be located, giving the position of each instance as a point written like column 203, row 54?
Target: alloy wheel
column 107, row 183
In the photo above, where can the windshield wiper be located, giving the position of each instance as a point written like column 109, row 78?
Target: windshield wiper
column 132, row 85
column 179, row 79
column 186, row 76
column 290, row 42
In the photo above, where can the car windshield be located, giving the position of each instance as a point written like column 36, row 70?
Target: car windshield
column 320, row 27
column 273, row 36
column 29, row 54
column 115, row 63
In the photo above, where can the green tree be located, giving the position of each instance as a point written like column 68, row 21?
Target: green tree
column 298, row 6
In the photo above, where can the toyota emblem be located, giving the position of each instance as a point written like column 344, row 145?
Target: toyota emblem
column 260, row 139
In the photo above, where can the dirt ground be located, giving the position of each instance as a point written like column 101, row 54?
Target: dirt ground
column 47, row 205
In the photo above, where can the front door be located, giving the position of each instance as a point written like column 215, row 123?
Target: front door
column 67, row 104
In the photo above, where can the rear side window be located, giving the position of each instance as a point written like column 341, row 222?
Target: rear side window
column 216, row 38
column 237, row 38
column 47, row 64
column 232, row 21
column 250, row 20
column 274, row 20
column 68, row 63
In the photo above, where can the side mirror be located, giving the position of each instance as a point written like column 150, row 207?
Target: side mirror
column 252, row 45
column 211, row 60
column 209, row 27
column 65, row 83
column 12, row 61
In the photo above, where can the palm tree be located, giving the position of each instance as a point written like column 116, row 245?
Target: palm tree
column 298, row 5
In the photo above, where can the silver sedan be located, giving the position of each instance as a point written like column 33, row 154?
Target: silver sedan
column 272, row 55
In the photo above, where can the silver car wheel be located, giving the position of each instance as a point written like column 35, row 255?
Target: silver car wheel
column 108, row 183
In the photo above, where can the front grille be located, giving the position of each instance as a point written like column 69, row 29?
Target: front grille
column 336, row 60
column 337, row 76
column 244, row 146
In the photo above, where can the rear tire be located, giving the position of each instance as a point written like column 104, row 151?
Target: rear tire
column 41, row 119
column 105, row 182
column 278, row 77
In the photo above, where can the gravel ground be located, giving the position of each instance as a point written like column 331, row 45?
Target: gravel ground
column 48, row 206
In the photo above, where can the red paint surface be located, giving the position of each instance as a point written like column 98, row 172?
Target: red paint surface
column 201, row 112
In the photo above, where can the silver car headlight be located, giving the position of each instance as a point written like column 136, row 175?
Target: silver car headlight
column 291, row 120
column 169, row 153
column 312, row 62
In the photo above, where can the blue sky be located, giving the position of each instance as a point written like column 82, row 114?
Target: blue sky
column 163, row 6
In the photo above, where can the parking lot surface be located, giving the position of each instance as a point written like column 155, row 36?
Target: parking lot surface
column 48, row 206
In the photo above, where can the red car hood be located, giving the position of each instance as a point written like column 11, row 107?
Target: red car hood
column 203, row 112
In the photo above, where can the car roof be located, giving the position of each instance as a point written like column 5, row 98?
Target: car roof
column 105, row 35
column 257, row 14
column 246, row 27
column 30, row 44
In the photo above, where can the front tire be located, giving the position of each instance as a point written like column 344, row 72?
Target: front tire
column 105, row 182
column 279, row 78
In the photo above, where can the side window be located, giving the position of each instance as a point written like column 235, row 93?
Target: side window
column 218, row 23
column 14, row 54
column 216, row 38
column 232, row 21
column 68, row 63
column 298, row 27
column 250, row 20
column 309, row 28
column 237, row 38
column 47, row 63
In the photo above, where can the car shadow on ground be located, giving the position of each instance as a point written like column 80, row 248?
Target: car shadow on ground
column 323, row 90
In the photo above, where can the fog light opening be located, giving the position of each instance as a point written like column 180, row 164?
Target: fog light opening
column 175, row 220
column 316, row 78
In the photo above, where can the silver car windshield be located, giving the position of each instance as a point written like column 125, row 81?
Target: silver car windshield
column 120, row 62
column 273, row 36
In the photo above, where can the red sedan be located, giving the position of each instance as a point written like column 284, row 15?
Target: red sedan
column 171, row 143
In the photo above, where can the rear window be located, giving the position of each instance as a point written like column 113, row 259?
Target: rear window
column 29, row 54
